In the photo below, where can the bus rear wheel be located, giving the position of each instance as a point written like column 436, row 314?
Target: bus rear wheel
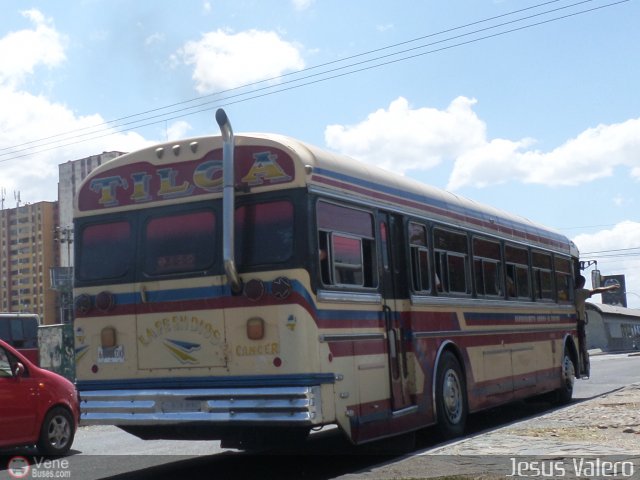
column 451, row 397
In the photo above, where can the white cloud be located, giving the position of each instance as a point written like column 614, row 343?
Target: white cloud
column 591, row 155
column 26, row 117
column 617, row 241
column 22, row 51
column 401, row 138
column 154, row 38
column 26, row 163
column 223, row 60
column 302, row 4
column 386, row 27
column 178, row 130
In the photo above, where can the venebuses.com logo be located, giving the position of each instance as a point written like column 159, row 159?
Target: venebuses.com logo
column 20, row 467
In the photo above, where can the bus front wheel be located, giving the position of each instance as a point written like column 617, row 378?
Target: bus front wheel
column 451, row 397
column 567, row 378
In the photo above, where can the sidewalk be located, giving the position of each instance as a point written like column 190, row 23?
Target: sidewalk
column 565, row 443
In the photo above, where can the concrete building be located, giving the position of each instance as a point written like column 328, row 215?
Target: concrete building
column 70, row 176
column 612, row 328
column 27, row 253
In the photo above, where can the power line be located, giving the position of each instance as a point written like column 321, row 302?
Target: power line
column 127, row 117
column 95, row 135
column 613, row 250
column 613, row 255
column 105, row 129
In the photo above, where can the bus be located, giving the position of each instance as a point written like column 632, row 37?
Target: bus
column 251, row 288
column 20, row 330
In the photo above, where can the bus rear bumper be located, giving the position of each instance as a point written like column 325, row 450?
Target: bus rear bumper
column 296, row 405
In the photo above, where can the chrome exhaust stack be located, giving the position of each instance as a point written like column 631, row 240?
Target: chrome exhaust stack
column 228, row 201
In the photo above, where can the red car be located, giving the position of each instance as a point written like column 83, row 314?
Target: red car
column 37, row 407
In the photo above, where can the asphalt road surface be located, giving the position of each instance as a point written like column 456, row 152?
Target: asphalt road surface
column 107, row 452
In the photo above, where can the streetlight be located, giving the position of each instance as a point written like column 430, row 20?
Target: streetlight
column 64, row 235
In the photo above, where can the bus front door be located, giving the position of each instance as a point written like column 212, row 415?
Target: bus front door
column 394, row 286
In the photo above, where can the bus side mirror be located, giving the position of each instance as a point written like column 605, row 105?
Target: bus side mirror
column 596, row 279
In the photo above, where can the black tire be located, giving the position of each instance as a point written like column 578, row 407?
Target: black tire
column 567, row 377
column 451, row 397
column 57, row 432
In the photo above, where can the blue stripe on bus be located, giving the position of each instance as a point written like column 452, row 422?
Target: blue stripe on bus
column 301, row 380
column 192, row 293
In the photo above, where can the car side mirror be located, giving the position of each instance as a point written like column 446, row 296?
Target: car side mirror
column 19, row 370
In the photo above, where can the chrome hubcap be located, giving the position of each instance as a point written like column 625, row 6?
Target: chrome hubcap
column 452, row 396
column 59, row 432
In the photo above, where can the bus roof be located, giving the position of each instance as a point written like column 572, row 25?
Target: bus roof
column 19, row 315
column 172, row 172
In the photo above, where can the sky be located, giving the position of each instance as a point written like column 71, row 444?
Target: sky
column 530, row 106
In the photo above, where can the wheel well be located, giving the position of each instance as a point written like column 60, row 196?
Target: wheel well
column 570, row 348
column 66, row 408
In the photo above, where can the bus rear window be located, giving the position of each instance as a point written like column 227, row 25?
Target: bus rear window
column 106, row 251
column 180, row 243
column 264, row 233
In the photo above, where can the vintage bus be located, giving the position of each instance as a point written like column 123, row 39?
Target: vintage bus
column 250, row 288
column 20, row 330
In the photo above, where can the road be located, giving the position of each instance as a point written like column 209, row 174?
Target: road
column 609, row 372
column 107, row 452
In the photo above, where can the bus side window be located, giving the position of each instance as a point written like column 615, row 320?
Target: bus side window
column 451, row 261
column 487, row 267
column 564, row 288
column 517, row 264
column 542, row 276
column 323, row 257
column 347, row 260
column 420, row 275
column 346, row 246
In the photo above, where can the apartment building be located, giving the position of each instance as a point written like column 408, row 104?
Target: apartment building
column 36, row 248
column 27, row 253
